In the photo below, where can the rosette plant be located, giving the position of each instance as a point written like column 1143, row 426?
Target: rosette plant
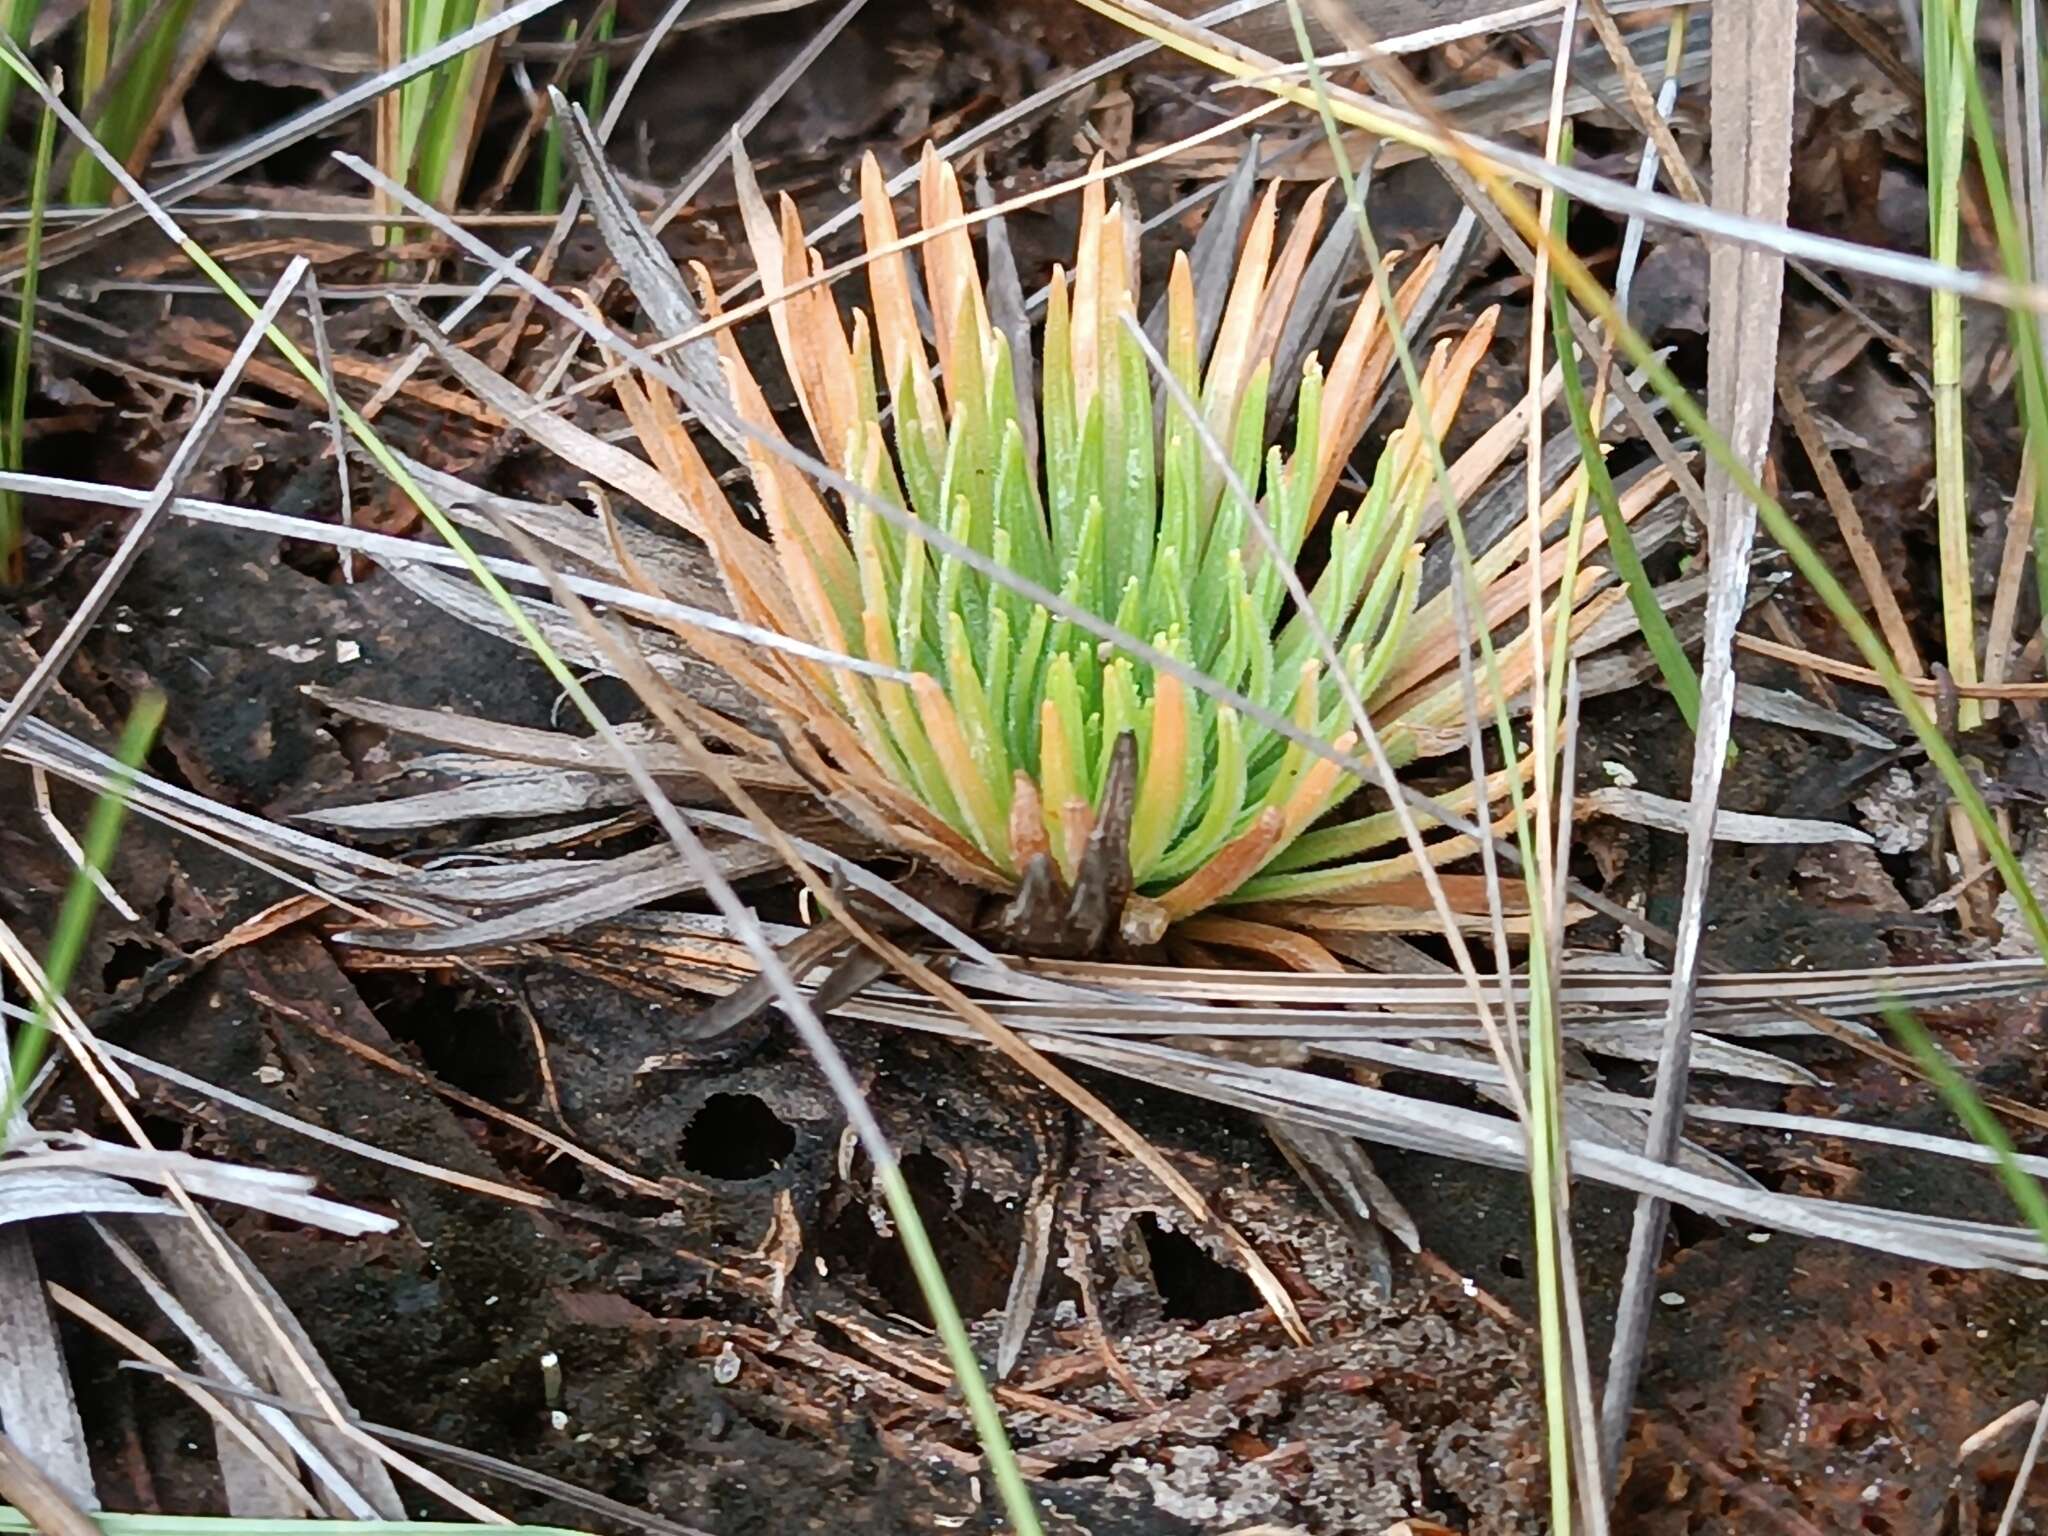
column 999, row 740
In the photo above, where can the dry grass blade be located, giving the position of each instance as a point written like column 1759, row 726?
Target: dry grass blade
column 37, row 1404
column 182, row 463
column 49, row 1507
column 289, row 1496
column 363, row 1149
column 347, row 1499
column 1668, row 815
column 294, row 130
column 1620, row 199
column 1752, row 135
column 395, row 553
column 493, row 1467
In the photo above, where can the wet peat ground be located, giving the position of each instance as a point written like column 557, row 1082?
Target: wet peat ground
column 738, row 1343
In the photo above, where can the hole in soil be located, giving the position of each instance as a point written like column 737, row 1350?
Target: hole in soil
column 976, row 1241
column 466, row 1042
column 1194, row 1286
column 1857, row 1434
column 128, row 961
column 165, row 1132
column 1689, row 1229
column 1511, row 1265
column 736, row 1136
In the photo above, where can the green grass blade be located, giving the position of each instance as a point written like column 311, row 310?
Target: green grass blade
column 601, row 67
column 13, row 448
column 1658, row 634
column 16, row 19
column 2025, row 325
column 1976, row 1116
column 551, row 150
column 952, row 1331
column 82, row 897
column 1544, row 1097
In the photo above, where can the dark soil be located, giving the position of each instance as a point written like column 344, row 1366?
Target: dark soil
column 729, row 1335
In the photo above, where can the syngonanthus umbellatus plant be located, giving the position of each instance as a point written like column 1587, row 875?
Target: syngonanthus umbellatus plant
column 1020, row 738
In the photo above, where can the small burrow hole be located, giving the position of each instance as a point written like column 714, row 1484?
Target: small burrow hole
column 736, row 1136
column 1194, row 1286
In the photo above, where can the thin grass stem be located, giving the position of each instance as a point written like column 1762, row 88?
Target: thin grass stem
column 13, row 448
column 81, row 899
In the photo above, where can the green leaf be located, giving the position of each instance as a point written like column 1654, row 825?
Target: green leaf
column 1663, row 641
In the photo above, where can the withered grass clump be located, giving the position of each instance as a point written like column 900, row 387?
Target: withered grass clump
column 998, row 759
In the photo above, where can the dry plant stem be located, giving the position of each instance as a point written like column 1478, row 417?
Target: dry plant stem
column 390, row 550
column 1752, row 116
column 707, row 166
column 1652, row 113
column 796, row 287
column 196, row 50
column 1419, row 128
column 2016, row 1500
column 2019, row 544
column 572, row 205
column 1870, row 677
column 560, row 1145
column 389, row 106
column 190, row 447
column 323, row 354
column 294, row 130
column 1479, row 157
column 402, row 374
column 39, row 783
column 520, row 151
column 1870, row 570
column 1475, row 756
column 511, row 1194
column 220, row 1362
column 493, row 1467
column 37, row 1397
column 36, row 1494
column 225, row 1422
column 86, row 1052
column 24, row 965
column 1541, row 731
column 1586, row 1438
column 956, row 148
